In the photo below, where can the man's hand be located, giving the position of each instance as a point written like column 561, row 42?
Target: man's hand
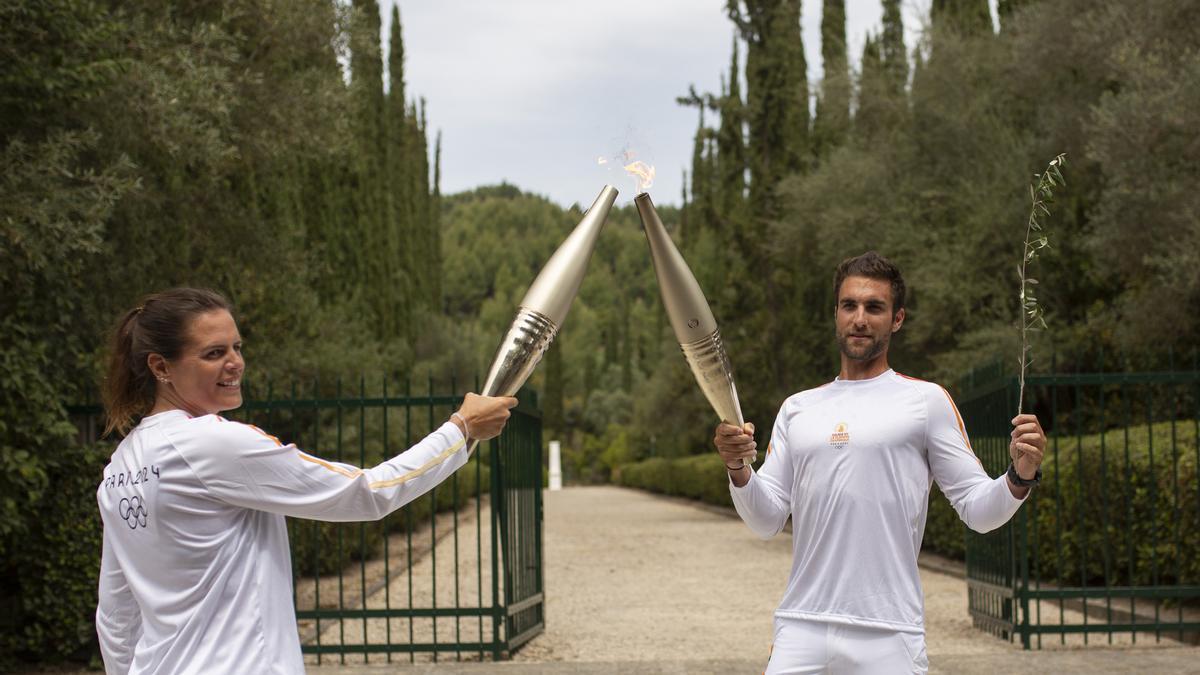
column 735, row 445
column 1027, row 447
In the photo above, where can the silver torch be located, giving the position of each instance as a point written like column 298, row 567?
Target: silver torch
column 545, row 305
column 691, row 318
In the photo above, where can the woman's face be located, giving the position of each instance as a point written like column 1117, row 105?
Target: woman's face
column 207, row 377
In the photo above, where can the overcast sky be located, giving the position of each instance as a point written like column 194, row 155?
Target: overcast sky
column 534, row 92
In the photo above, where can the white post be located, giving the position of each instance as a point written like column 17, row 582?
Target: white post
column 555, row 465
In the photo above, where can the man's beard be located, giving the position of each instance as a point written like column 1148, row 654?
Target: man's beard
column 877, row 346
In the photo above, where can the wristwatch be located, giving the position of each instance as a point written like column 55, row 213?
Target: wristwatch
column 1021, row 482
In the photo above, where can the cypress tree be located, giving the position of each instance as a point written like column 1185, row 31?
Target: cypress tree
column 700, row 180
column 400, row 251
column 731, row 147
column 435, row 221
column 702, row 209
column 777, row 96
column 417, row 175
column 1006, row 8
column 369, row 237
column 833, row 107
column 778, row 145
column 966, row 17
column 684, row 210
column 891, row 47
column 872, row 86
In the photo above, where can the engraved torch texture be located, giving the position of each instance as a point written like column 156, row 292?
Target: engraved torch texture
column 691, row 318
column 528, row 338
column 545, row 305
column 706, row 357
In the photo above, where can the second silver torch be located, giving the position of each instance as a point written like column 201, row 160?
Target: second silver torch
column 545, row 305
column 691, row 318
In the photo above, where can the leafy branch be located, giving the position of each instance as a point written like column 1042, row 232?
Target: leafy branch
column 1041, row 193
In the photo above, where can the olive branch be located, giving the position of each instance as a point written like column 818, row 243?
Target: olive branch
column 1033, row 318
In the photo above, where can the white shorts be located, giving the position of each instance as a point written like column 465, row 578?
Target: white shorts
column 803, row 647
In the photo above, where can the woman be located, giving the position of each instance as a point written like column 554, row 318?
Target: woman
column 196, row 574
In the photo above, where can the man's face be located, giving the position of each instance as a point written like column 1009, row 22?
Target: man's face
column 864, row 322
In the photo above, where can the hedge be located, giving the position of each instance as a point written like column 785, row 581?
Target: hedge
column 48, row 594
column 1144, row 506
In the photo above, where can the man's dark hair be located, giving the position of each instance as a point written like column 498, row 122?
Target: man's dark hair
column 873, row 266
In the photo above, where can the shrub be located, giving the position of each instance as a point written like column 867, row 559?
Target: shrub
column 700, row 477
column 49, row 593
column 1126, row 495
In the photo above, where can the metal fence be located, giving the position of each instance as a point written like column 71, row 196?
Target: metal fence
column 1109, row 543
column 456, row 573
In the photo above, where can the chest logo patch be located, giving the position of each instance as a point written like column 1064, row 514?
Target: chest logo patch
column 840, row 436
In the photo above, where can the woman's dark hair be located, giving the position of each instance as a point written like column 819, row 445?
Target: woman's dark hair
column 158, row 325
column 873, row 266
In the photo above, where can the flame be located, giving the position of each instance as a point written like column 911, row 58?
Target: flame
column 643, row 172
column 602, row 160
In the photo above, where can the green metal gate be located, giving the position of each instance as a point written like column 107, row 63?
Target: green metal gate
column 1109, row 543
column 456, row 573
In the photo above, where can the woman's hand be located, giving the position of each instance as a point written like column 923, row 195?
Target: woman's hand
column 483, row 417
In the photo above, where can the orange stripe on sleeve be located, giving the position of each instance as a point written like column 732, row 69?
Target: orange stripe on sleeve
column 420, row 470
column 332, row 467
column 274, row 438
column 962, row 429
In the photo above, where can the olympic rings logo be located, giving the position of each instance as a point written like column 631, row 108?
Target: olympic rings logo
column 133, row 511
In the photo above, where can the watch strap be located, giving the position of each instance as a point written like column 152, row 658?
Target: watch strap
column 1021, row 482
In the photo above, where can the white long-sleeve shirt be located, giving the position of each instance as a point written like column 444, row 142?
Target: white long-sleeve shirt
column 196, row 573
column 851, row 463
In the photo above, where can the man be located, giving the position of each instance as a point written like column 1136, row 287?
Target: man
column 851, row 463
